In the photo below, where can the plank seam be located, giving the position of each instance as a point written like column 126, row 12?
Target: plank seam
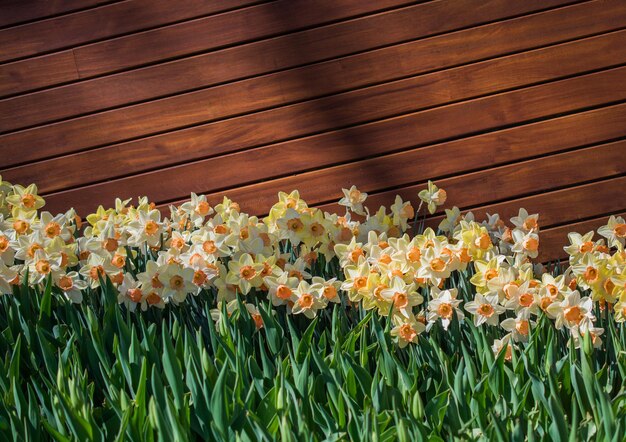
column 173, row 59
column 582, row 220
column 372, row 157
column 499, row 200
column 439, row 177
column 60, row 14
column 468, row 134
column 201, row 17
column 157, row 98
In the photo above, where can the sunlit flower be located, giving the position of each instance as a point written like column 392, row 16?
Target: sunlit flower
column 571, row 311
column 525, row 222
column 433, row 197
column 402, row 212
column 579, row 245
column 476, row 238
column 407, row 328
column 353, row 199
column 72, row 286
column 308, row 300
column 329, row 289
column 177, row 282
column 526, row 243
column 25, row 198
column 356, row 280
column 403, row 296
column 448, row 224
column 485, row 309
column 614, row 231
column 146, row 229
column 281, row 288
column 244, row 273
column 518, row 327
column 443, row 305
column 44, row 265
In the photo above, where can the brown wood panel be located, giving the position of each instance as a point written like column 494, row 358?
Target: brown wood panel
column 184, row 74
column 553, row 240
column 510, row 181
column 430, row 18
column 297, row 84
column 13, row 12
column 560, row 206
column 381, row 172
column 474, row 188
column 35, row 73
column 300, row 119
column 103, row 22
column 344, row 9
column 214, row 32
column 460, row 83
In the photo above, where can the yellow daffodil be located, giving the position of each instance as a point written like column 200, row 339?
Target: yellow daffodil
column 407, row 329
column 432, row 196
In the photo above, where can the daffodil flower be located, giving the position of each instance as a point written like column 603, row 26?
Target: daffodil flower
column 353, row 199
column 485, row 309
column 443, row 305
column 433, row 197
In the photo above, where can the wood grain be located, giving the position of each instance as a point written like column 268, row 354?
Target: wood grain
column 512, row 180
column 157, row 152
column 344, row 9
column 102, row 22
column 13, row 12
column 309, row 81
column 175, row 41
column 317, row 115
column 37, row 72
column 278, row 53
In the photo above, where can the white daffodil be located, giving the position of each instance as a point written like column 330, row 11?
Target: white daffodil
column 353, row 199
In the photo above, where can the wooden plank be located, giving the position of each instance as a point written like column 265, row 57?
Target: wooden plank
column 20, row 68
column 321, row 185
column 214, row 32
column 278, row 53
column 553, row 240
column 152, row 153
column 518, row 179
column 103, row 22
column 35, row 73
column 351, row 72
column 511, row 180
column 180, row 40
column 560, row 206
column 469, row 189
column 13, row 12
column 269, row 126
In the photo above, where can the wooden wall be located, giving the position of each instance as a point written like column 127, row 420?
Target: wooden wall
column 504, row 103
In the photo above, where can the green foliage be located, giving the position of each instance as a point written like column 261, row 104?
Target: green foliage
column 97, row 372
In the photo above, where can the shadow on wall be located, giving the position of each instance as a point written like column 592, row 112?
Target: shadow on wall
column 341, row 107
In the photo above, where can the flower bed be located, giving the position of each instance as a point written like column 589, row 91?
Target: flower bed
column 305, row 323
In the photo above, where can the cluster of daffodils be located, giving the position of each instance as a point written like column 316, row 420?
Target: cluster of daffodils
column 302, row 260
